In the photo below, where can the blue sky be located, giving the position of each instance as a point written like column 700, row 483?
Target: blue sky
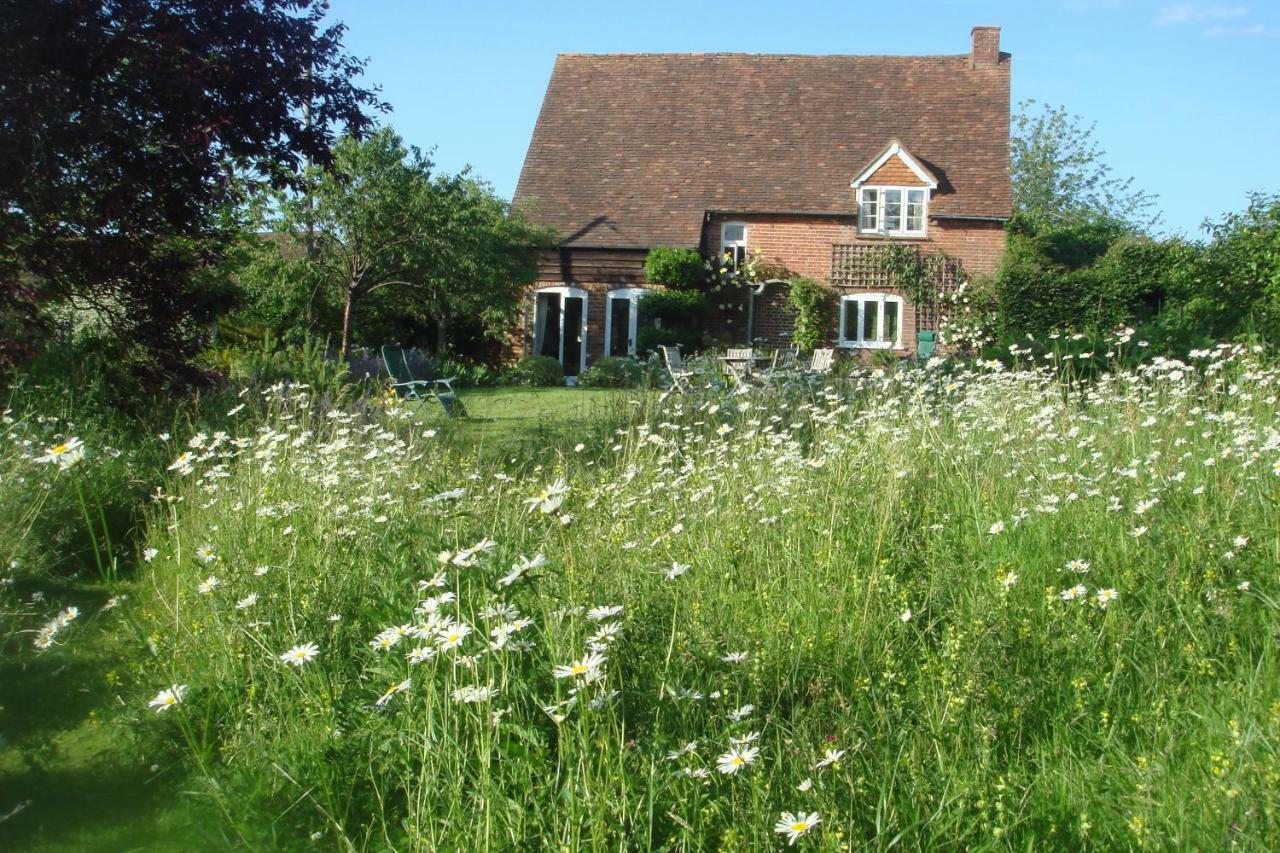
column 1184, row 94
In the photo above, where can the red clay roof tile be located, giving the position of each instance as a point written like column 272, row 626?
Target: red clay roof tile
column 632, row 149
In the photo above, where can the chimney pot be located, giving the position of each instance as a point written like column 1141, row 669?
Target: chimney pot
column 986, row 47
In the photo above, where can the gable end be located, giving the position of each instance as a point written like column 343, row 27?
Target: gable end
column 895, row 166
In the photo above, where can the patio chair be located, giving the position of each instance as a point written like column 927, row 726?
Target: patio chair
column 782, row 365
column 822, row 363
column 739, row 362
column 680, row 375
column 396, row 360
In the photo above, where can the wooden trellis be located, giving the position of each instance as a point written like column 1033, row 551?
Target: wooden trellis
column 859, row 266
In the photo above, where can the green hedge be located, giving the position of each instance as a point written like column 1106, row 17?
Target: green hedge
column 1055, row 279
column 612, row 372
column 671, row 318
column 684, row 308
column 538, row 371
column 677, row 268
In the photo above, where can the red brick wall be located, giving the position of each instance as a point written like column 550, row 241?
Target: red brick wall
column 521, row 341
column 804, row 246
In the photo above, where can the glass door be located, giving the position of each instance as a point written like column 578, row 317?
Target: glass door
column 560, row 327
column 621, row 318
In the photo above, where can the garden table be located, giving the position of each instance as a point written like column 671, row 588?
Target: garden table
column 742, row 367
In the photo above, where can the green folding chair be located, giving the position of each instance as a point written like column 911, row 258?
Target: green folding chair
column 396, row 360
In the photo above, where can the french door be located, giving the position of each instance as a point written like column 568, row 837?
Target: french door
column 560, row 327
column 622, row 313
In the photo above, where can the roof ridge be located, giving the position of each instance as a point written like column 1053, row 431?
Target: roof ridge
column 710, row 53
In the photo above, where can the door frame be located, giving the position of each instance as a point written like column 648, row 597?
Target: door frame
column 634, row 295
column 565, row 292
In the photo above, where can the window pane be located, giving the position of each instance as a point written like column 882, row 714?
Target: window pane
column 868, row 210
column 915, row 210
column 734, row 233
column 890, row 322
column 870, row 320
column 850, row 324
column 868, row 221
column 735, row 255
column 893, row 210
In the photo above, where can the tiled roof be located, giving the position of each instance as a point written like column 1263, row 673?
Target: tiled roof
column 633, row 149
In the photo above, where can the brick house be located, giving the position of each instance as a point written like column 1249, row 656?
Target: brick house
column 811, row 162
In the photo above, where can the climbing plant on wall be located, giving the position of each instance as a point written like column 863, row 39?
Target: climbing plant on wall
column 812, row 304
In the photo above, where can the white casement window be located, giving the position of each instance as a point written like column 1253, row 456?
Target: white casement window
column 893, row 211
column 871, row 321
column 733, row 243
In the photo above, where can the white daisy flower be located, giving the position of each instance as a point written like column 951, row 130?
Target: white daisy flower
column 829, row 757
column 795, row 825
column 301, row 654
column 736, row 759
column 392, row 691
column 168, row 697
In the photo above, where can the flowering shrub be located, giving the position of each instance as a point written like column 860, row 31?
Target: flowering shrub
column 812, row 305
column 968, row 318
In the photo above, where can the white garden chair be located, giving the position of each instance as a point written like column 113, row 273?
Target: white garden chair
column 739, row 361
column 680, row 375
column 822, row 363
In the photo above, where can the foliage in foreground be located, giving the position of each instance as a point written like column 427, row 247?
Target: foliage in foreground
column 979, row 608
column 131, row 130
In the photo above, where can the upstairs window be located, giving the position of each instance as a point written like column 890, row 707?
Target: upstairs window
column 892, row 211
column 733, row 243
column 871, row 321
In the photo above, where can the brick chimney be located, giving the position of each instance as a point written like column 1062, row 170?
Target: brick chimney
column 986, row 47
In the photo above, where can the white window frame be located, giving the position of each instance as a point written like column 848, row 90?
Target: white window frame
column 632, row 295
column 726, row 244
column 879, row 226
column 860, row 303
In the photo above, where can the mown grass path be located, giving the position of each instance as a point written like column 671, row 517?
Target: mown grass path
column 72, row 762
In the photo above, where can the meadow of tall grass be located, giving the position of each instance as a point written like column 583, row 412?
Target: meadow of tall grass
column 980, row 606
column 967, row 605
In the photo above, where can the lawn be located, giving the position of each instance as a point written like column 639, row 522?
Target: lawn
column 516, row 424
column 76, row 772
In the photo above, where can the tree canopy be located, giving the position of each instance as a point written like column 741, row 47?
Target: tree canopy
column 377, row 243
column 1060, row 176
column 130, row 131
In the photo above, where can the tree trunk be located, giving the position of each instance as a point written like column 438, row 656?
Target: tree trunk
column 346, row 322
column 440, row 328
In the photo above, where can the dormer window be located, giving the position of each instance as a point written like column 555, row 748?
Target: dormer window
column 893, row 211
column 893, row 194
column 733, row 243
